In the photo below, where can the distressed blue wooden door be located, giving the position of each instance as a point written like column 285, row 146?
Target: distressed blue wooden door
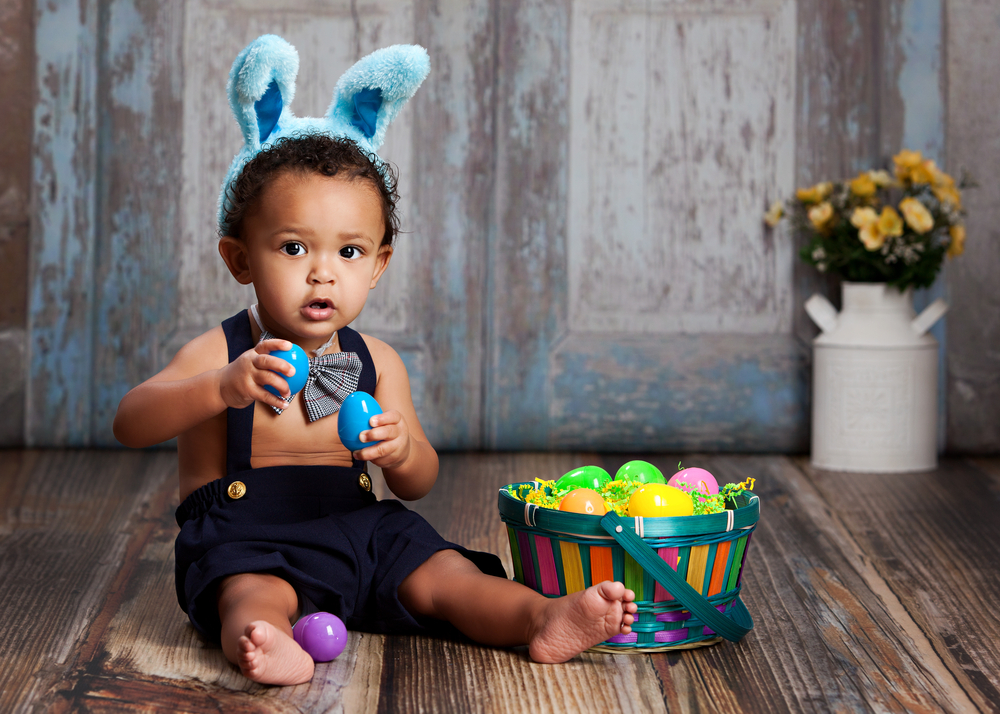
column 659, row 314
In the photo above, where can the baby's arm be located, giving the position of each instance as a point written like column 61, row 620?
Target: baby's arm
column 198, row 384
column 408, row 461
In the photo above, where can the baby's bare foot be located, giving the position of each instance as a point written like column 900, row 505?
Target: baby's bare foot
column 269, row 656
column 569, row 625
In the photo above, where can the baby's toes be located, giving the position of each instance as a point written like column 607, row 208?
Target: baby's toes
column 246, row 661
column 257, row 635
column 612, row 590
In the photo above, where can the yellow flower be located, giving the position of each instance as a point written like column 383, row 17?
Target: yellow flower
column 916, row 214
column 945, row 190
column 957, row 245
column 871, row 236
column 943, row 179
column 881, row 178
column 814, row 194
column 906, row 160
column 820, row 215
column 873, row 228
column 923, row 173
column 863, row 186
column 774, row 214
column 949, row 196
column 863, row 217
column 912, row 168
column 889, row 223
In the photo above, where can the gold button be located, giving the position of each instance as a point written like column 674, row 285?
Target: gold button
column 364, row 482
column 236, row 490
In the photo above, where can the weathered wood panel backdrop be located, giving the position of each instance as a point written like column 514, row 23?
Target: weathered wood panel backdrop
column 583, row 182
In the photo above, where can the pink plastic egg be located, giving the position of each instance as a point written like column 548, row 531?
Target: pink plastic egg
column 695, row 478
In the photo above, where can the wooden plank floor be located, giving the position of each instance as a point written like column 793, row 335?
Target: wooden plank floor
column 869, row 592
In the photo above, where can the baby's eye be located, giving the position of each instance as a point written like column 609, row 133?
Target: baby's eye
column 350, row 252
column 293, row 249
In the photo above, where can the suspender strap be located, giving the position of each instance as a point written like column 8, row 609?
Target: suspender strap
column 352, row 341
column 239, row 422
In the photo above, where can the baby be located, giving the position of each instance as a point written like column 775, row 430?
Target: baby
column 277, row 517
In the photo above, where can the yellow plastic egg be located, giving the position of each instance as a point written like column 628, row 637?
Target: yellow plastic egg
column 583, row 500
column 656, row 500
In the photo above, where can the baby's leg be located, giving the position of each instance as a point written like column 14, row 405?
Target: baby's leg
column 256, row 611
column 505, row 613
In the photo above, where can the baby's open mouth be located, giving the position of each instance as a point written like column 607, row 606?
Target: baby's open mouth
column 318, row 310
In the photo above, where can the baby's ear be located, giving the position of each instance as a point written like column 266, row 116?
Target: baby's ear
column 370, row 94
column 261, row 86
column 234, row 252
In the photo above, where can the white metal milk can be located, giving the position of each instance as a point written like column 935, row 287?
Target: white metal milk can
column 874, row 381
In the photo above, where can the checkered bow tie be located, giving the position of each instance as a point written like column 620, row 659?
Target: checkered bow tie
column 332, row 378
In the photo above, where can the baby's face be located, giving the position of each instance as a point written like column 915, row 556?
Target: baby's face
column 313, row 247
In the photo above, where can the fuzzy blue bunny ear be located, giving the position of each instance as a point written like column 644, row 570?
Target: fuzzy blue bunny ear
column 366, row 100
column 370, row 94
column 261, row 86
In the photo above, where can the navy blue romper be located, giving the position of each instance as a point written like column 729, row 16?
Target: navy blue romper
column 317, row 527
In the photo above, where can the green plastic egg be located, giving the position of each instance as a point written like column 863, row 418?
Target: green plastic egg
column 584, row 477
column 641, row 471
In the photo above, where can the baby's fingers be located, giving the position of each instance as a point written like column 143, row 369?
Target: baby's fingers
column 385, row 426
column 370, row 452
column 273, row 345
column 266, row 378
column 390, row 417
column 274, row 364
column 381, row 433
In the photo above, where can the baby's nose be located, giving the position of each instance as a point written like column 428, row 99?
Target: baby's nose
column 321, row 272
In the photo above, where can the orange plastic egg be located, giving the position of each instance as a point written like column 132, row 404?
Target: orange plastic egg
column 656, row 500
column 583, row 500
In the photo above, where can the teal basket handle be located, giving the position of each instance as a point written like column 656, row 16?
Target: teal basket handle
column 733, row 629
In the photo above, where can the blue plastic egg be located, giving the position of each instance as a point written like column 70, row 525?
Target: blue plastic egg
column 355, row 415
column 298, row 359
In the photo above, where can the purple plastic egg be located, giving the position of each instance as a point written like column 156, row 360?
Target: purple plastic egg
column 322, row 635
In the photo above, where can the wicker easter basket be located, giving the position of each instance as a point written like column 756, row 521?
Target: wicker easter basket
column 685, row 570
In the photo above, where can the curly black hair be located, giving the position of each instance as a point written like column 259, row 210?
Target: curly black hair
column 312, row 153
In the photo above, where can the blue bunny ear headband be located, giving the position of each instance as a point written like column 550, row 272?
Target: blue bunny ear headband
column 366, row 99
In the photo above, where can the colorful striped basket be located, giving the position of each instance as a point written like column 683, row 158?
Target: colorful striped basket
column 685, row 570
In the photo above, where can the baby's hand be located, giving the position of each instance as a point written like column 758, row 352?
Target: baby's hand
column 388, row 428
column 242, row 381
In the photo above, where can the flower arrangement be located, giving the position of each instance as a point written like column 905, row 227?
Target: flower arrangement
column 880, row 228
